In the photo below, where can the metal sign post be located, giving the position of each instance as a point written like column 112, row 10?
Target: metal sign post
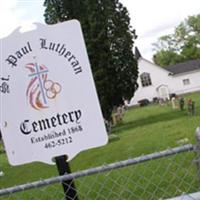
column 68, row 185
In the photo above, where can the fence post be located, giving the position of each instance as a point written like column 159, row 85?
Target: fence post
column 197, row 150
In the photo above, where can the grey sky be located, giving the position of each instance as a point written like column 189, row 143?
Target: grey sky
column 155, row 18
column 151, row 19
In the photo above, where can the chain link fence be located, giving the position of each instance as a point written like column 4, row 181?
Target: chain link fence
column 163, row 175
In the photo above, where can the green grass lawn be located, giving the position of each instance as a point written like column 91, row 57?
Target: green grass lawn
column 144, row 130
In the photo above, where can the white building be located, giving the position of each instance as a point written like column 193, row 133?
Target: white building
column 155, row 81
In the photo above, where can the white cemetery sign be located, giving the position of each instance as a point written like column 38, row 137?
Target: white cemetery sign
column 49, row 105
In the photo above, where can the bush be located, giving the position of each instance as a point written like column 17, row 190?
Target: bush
column 155, row 100
column 143, row 102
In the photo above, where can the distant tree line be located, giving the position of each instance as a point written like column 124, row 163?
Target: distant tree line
column 182, row 45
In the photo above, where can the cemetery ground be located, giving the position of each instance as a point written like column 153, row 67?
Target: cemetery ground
column 144, row 130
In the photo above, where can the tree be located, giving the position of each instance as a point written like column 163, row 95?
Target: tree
column 183, row 45
column 109, row 40
column 166, row 57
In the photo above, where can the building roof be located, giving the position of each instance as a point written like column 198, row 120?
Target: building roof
column 187, row 66
column 137, row 53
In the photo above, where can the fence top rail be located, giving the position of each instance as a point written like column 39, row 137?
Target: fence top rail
column 99, row 169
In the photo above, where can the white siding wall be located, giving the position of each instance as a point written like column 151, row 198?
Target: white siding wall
column 178, row 86
column 160, row 76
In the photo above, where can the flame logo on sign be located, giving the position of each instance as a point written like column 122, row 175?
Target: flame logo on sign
column 40, row 88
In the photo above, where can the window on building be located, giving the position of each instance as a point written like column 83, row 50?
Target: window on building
column 145, row 79
column 186, row 81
